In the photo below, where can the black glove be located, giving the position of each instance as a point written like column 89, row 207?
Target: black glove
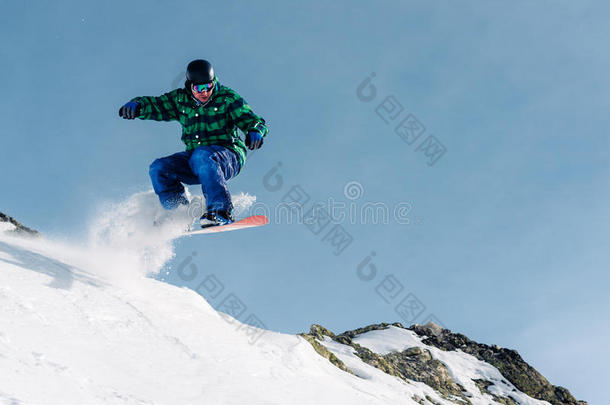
column 254, row 140
column 130, row 110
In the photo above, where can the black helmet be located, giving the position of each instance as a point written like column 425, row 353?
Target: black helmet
column 200, row 71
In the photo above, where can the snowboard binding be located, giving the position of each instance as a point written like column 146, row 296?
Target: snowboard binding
column 217, row 218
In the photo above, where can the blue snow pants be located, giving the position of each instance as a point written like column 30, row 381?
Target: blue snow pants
column 211, row 166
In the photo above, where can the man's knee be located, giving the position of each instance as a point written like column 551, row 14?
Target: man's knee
column 157, row 167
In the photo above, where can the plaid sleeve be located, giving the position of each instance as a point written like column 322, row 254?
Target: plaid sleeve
column 244, row 117
column 162, row 108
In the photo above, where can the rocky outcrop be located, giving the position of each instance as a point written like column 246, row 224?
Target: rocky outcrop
column 484, row 385
column 17, row 228
column 523, row 376
column 418, row 364
column 414, row 364
column 318, row 332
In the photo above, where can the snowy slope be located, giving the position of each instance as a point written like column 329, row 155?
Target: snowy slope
column 82, row 324
column 68, row 336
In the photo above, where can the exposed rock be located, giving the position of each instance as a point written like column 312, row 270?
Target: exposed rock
column 418, row 399
column 18, row 227
column 379, row 326
column 523, row 376
column 346, row 340
column 413, row 351
column 422, row 367
column 315, row 332
column 483, row 386
column 346, row 337
column 319, row 331
column 432, row 329
column 375, row 360
column 417, row 364
column 413, row 364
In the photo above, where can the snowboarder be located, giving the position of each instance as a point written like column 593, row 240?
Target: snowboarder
column 210, row 114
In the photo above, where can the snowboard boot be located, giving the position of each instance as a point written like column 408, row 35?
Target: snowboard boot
column 216, row 218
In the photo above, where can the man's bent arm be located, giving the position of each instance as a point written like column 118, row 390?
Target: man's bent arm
column 245, row 118
column 162, row 108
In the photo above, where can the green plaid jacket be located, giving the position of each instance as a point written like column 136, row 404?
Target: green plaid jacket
column 214, row 123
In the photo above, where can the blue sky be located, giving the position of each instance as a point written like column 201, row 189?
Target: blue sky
column 508, row 235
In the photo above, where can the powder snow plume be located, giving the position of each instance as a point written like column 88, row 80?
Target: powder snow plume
column 133, row 238
column 140, row 231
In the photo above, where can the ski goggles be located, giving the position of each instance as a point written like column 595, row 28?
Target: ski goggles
column 200, row 88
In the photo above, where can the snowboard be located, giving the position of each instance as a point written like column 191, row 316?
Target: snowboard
column 249, row 222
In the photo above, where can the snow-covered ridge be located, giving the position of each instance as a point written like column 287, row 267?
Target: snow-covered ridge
column 428, row 354
column 83, row 324
column 10, row 224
